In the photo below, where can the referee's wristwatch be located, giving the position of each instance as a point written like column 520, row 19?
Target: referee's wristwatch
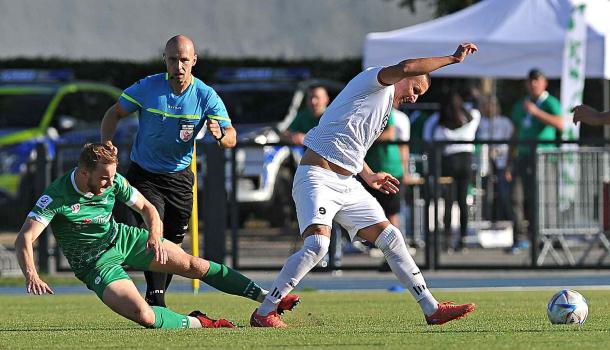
column 222, row 135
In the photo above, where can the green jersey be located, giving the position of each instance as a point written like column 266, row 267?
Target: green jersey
column 303, row 122
column 529, row 127
column 82, row 223
column 385, row 158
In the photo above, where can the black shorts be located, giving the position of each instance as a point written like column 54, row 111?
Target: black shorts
column 389, row 202
column 171, row 194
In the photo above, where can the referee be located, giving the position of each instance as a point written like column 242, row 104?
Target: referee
column 173, row 107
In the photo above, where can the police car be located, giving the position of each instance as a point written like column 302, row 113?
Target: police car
column 46, row 107
column 262, row 102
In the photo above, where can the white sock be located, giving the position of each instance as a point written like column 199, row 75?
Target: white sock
column 194, row 322
column 393, row 246
column 261, row 296
column 296, row 267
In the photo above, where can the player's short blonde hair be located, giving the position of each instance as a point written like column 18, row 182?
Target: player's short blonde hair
column 94, row 153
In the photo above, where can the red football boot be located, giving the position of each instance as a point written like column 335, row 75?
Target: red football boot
column 448, row 311
column 207, row 322
column 288, row 303
column 272, row 320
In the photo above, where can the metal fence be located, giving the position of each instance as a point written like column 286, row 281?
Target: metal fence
column 571, row 185
column 567, row 229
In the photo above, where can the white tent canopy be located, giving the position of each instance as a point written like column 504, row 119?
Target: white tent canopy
column 513, row 36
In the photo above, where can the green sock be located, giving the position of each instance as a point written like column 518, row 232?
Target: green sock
column 167, row 319
column 227, row 280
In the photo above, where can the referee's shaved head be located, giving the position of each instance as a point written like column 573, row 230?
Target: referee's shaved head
column 180, row 41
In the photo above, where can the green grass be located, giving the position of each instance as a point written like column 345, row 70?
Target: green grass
column 371, row 320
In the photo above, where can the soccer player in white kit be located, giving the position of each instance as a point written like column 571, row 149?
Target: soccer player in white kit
column 325, row 187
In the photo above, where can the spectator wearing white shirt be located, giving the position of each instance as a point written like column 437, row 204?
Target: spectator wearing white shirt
column 456, row 122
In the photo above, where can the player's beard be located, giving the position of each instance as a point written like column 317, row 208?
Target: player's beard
column 94, row 188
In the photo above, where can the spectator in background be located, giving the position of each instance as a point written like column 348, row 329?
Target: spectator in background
column 536, row 116
column 456, row 122
column 308, row 118
column 496, row 127
column 402, row 124
column 382, row 157
column 588, row 115
column 386, row 158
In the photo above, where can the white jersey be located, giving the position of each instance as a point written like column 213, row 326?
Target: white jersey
column 353, row 121
column 465, row 132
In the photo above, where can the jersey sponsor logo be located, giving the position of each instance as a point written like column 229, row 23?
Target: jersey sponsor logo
column 384, row 122
column 44, row 201
column 187, row 131
column 86, row 221
column 75, row 208
column 102, row 219
column 102, row 202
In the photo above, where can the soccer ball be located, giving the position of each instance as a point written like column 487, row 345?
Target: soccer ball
column 566, row 307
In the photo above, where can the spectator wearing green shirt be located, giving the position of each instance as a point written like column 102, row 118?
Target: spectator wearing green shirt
column 308, row 118
column 537, row 116
column 386, row 158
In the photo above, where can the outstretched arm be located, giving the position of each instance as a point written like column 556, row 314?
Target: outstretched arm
column 418, row 66
column 30, row 231
column 588, row 115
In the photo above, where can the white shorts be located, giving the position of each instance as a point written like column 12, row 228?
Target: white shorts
column 322, row 196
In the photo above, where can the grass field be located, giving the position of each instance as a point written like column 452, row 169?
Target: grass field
column 352, row 320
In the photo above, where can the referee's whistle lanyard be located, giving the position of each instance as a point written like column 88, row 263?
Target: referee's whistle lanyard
column 527, row 122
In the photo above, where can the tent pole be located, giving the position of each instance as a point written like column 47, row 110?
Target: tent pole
column 606, row 104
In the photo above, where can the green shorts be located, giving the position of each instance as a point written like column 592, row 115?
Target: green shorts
column 129, row 249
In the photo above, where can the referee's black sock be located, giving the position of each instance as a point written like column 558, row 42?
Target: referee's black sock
column 168, row 280
column 155, row 288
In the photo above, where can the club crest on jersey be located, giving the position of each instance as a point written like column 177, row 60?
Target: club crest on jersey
column 186, row 131
column 44, row 201
column 75, row 208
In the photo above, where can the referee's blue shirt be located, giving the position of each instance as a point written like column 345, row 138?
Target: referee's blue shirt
column 168, row 123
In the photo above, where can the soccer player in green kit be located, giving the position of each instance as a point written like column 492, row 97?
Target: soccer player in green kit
column 78, row 206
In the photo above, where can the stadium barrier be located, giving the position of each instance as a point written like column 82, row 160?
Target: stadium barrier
column 571, row 202
column 558, row 230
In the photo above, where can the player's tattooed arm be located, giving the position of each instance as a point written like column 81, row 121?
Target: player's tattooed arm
column 30, row 231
